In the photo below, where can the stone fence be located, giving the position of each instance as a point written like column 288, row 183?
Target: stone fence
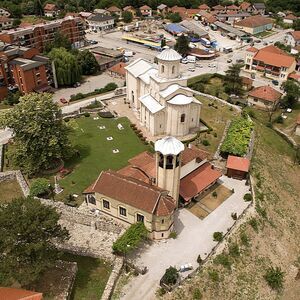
column 11, row 175
column 1, row 157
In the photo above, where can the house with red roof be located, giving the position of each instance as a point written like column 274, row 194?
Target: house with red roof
column 255, row 24
column 290, row 19
column 264, row 97
column 51, row 10
column 118, row 70
column 237, row 167
column 293, row 38
column 130, row 9
column 246, row 7
column 219, row 9
column 7, row 293
column 271, row 61
column 152, row 186
column 146, row 11
column 204, row 7
column 114, row 10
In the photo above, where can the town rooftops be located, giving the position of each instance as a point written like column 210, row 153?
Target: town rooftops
column 139, row 67
column 230, row 29
column 106, row 52
column 203, row 7
column 169, row 54
column 175, row 28
column 145, row 7
column 259, row 5
column 254, row 21
column 291, row 17
column 238, row 163
column 99, row 18
column 194, row 27
column 50, row 7
column 4, row 19
column 133, row 192
column 26, row 64
column 274, row 56
column 218, row 7
column 162, row 6
column 169, row 146
column 252, row 49
column 245, row 5
column 113, row 9
column 119, row 68
column 19, row 294
column 192, row 152
column 232, row 7
column 295, row 35
column 265, row 93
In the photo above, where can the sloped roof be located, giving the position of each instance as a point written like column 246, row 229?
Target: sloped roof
column 139, row 67
column 254, row 21
column 291, row 17
column 218, row 7
column 181, row 99
column 145, row 7
column 19, row 294
column 50, row 7
column 169, row 145
column 169, row 54
column 162, row 6
column 295, row 35
column 259, row 5
column 252, row 49
column 119, row 68
column 114, row 9
column 232, row 7
column 99, row 18
column 245, row 5
column 266, row 93
column 152, row 105
column 192, row 152
column 238, row 163
column 203, row 7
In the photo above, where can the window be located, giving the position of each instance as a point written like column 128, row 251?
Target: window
column 122, row 211
column 182, row 118
column 91, row 199
column 132, row 96
column 140, row 218
column 173, row 69
column 162, row 221
column 162, row 69
column 162, row 235
column 106, row 204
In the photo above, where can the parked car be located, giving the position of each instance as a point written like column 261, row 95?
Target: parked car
column 77, row 84
column 240, row 61
column 191, row 69
column 275, row 82
column 198, row 66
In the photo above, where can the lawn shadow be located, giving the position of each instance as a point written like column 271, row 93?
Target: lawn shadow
column 81, row 152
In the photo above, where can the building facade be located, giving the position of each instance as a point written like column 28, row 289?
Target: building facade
column 6, row 23
column 160, row 97
column 39, row 35
column 293, row 38
column 255, row 24
column 100, row 22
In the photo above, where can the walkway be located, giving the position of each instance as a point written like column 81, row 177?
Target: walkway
column 194, row 238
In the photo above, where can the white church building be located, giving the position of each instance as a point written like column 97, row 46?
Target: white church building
column 160, row 96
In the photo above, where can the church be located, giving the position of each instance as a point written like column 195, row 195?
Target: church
column 152, row 186
column 159, row 95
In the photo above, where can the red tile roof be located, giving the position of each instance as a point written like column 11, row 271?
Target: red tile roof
column 19, row 294
column 133, row 192
column 252, row 49
column 295, row 35
column 114, row 9
column 266, row 93
column 291, row 17
column 273, row 56
column 192, row 11
column 198, row 181
column 254, row 21
column 145, row 7
column 119, row 68
column 135, row 172
column 146, row 162
column 203, row 7
column 192, row 153
column 246, row 80
column 50, row 7
column 238, row 163
column 245, row 5
column 232, row 7
column 129, row 7
column 218, row 7
column 4, row 19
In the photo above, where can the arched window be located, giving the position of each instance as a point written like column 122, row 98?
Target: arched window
column 132, row 96
column 182, row 118
column 173, row 69
column 162, row 68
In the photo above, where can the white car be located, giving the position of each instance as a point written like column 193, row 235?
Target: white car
column 191, row 69
column 289, row 110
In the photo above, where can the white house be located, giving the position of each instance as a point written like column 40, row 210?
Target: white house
column 160, row 97
column 293, row 38
column 100, row 22
column 51, row 10
column 4, row 13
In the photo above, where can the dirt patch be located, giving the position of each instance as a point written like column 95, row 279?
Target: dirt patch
column 9, row 190
column 198, row 211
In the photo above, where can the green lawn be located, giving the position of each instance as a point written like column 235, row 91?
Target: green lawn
column 96, row 151
column 91, row 277
column 263, row 34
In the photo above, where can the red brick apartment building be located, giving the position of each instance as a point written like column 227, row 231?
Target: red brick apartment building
column 23, row 69
column 37, row 36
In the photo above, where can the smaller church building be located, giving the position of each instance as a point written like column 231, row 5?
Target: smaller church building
column 159, row 95
column 152, row 186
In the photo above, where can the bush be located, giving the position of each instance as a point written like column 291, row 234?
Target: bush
column 244, row 239
column 40, row 187
column 173, row 235
column 170, row 277
column 234, row 216
column 254, row 224
column 197, row 294
column 94, row 104
column 218, row 236
column 279, row 120
column 199, row 259
column 215, row 134
column 105, row 114
column 161, row 291
column 248, row 197
column 223, row 260
column 274, row 278
column 215, row 194
column 234, row 250
column 214, row 275
column 110, row 87
column 205, row 143
column 67, row 120
column 86, row 114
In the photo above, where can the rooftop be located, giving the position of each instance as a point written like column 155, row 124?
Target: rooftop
column 139, row 67
column 295, row 35
column 119, row 68
column 238, row 163
column 254, row 21
column 106, row 52
column 169, row 146
column 153, row 105
column 181, row 99
column 169, row 54
column 266, row 93
column 99, row 18
column 19, row 294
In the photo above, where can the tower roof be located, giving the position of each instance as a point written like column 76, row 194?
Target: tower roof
column 169, row 145
column 169, row 54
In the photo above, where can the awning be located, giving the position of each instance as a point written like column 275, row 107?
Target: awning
column 198, row 181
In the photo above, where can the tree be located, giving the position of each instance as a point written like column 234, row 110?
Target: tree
column 175, row 18
column 40, row 135
column 292, row 90
column 127, row 16
column 28, row 230
column 233, row 81
column 40, row 187
column 182, row 45
column 67, row 69
column 296, row 24
column 12, row 98
column 59, row 41
column 170, row 277
column 87, row 62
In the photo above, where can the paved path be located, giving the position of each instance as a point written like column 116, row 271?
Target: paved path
column 194, row 238
column 5, row 135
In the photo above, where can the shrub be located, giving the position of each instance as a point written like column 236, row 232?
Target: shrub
column 215, row 134
column 279, row 120
column 251, row 114
column 261, row 211
column 244, row 239
column 248, row 197
column 234, row 250
column 223, row 260
column 170, row 277
column 67, row 120
column 254, row 224
column 110, row 87
column 94, row 104
column 105, row 114
column 274, row 278
column 199, row 259
column 215, row 194
column 234, row 216
column 218, row 236
column 40, row 187
column 232, row 191
column 205, row 143
column 197, row 295
column 86, row 114
column 161, row 291
column 214, row 275
column 173, row 235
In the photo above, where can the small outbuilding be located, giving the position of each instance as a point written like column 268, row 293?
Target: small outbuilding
column 237, row 167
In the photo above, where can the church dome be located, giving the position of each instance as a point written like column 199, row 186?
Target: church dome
column 169, row 146
column 169, row 54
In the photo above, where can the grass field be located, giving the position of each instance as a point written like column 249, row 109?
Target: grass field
column 96, row 151
column 216, row 117
column 9, row 190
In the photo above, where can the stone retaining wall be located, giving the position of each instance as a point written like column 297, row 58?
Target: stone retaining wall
column 11, row 175
column 1, row 157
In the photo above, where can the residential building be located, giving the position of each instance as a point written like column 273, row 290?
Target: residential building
column 259, row 8
column 114, row 10
column 100, row 11
column 8, row 293
column 255, row 24
column 232, row 17
column 163, row 9
column 100, row 22
column 297, row 127
column 23, row 69
column 192, row 12
column 151, row 187
column 180, row 10
column 118, row 70
column 247, row 83
column 271, row 61
column 51, row 10
column 289, row 19
column 204, row 7
column 146, row 11
column 293, row 39
column 106, row 57
column 246, row 7
column 237, row 167
column 159, row 96
column 264, row 97
column 206, row 18
column 130, row 9
column 4, row 13
column 231, row 32
column 37, row 36
column 219, row 9
column 6, row 23
column 232, row 9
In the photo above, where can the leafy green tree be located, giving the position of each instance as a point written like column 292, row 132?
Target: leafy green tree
column 67, row 69
column 182, row 45
column 233, row 80
column 87, row 62
column 12, row 98
column 274, row 277
column 39, row 187
column 127, row 16
column 296, row 24
column 28, row 230
column 40, row 135
column 170, row 277
column 59, row 41
column 175, row 18
column 292, row 90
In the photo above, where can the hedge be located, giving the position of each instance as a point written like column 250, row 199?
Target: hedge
column 238, row 137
